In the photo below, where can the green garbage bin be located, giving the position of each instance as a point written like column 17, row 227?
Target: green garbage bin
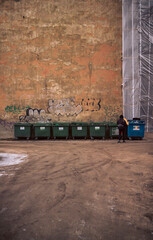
column 79, row 129
column 60, row 130
column 97, row 130
column 113, row 130
column 22, row 130
column 42, row 130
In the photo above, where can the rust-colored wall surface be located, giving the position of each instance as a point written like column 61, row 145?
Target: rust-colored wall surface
column 60, row 60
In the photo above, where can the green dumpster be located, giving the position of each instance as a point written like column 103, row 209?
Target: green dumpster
column 60, row 130
column 42, row 130
column 113, row 130
column 79, row 129
column 97, row 130
column 22, row 130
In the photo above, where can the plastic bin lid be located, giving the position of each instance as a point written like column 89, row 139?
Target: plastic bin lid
column 136, row 121
column 42, row 124
column 60, row 124
column 111, row 124
column 23, row 124
column 98, row 123
column 79, row 123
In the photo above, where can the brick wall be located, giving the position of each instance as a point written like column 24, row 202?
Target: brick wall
column 60, row 60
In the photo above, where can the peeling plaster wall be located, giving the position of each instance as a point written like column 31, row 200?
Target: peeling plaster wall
column 62, row 57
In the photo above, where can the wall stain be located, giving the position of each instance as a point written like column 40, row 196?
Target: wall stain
column 6, row 124
column 90, row 69
column 45, row 85
column 112, row 113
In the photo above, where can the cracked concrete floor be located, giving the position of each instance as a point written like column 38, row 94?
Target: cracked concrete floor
column 71, row 190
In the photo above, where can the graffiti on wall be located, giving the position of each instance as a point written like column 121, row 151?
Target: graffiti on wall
column 65, row 106
column 16, row 109
column 58, row 107
column 91, row 104
column 33, row 115
column 35, row 112
column 69, row 107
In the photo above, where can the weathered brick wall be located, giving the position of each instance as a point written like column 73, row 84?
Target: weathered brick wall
column 61, row 59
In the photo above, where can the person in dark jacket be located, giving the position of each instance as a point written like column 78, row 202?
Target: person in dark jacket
column 122, row 127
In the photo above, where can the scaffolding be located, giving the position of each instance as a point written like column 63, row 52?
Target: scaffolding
column 137, row 41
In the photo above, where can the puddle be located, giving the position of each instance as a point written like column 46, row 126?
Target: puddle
column 8, row 159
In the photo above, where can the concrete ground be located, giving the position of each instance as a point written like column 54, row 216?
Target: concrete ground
column 72, row 190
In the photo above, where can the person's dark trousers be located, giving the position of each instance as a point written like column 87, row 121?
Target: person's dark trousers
column 120, row 134
column 126, row 132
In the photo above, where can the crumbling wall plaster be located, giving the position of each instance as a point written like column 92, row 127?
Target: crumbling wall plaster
column 62, row 57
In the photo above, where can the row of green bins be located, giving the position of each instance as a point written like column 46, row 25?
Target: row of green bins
column 79, row 129
column 64, row 130
column 41, row 130
column 60, row 130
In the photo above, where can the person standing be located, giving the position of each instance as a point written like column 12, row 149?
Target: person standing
column 122, row 127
